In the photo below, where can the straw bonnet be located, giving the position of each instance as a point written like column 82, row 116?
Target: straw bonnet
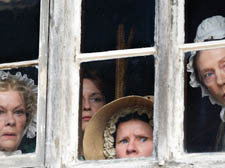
column 93, row 142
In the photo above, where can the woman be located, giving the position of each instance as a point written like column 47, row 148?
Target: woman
column 207, row 68
column 93, row 96
column 120, row 129
column 18, row 104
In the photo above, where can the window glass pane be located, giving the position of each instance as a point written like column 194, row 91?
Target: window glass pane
column 105, row 81
column 205, row 100
column 19, row 30
column 193, row 17
column 18, row 110
column 111, row 25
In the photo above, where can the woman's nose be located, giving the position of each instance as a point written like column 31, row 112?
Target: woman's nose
column 10, row 120
column 131, row 148
column 220, row 77
column 86, row 104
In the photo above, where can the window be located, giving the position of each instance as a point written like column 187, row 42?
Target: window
column 65, row 50
column 24, row 41
column 68, row 53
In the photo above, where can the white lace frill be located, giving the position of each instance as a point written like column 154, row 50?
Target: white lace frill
column 2, row 153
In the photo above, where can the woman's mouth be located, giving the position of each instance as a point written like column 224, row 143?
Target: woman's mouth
column 9, row 135
column 86, row 118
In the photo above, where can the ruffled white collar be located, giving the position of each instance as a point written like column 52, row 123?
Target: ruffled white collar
column 222, row 114
column 3, row 153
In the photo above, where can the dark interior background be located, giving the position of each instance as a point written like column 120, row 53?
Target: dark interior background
column 101, row 19
column 19, row 30
column 202, row 118
column 139, row 76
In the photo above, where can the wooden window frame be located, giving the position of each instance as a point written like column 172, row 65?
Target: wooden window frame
column 62, row 48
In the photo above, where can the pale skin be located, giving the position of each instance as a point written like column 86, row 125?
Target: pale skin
column 211, row 67
column 92, row 100
column 134, row 139
column 12, row 120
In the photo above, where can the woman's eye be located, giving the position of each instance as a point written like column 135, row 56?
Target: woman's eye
column 123, row 141
column 96, row 99
column 143, row 139
column 20, row 112
column 1, row 112
column 207, row 76
column 223, row 66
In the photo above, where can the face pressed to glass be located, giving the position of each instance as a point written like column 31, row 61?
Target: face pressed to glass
column 134, row 138
column 211, row 67
column 12, row 120
column 93, row 99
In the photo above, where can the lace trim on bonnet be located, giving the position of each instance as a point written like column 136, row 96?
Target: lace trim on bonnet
column 108, row 147
column 210, row 28
column 30, row 130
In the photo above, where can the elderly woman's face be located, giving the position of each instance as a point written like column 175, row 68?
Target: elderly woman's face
column 93, row 99
column 12, row 120
column 134, row 138
column 211, row 67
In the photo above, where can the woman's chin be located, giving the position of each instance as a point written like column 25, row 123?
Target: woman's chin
column 9, row 146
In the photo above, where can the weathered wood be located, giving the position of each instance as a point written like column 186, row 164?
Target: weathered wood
column 63, row 83
column 19, row 64
column 169, row 105
column 202, row 45
column 125, row 53
column 57, row 140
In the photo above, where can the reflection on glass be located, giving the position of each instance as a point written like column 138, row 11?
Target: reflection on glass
column 105, row 81
column 18, row 110
column 19, row 30
column 117, row 24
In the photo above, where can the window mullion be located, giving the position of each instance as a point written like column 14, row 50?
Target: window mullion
column 169, row 73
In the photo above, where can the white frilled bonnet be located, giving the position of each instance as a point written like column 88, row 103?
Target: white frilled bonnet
column 212, row 28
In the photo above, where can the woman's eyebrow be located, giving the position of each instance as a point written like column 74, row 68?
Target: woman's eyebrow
column 121, row 138
column 96, row 94
column 20, row 107
column 222, row 60
column 205, row 70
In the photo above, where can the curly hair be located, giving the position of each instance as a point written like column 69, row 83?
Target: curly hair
column 28, row 96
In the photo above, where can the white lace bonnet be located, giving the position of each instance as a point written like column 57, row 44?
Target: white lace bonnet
column 209, row 29
column 30, row 129
column 98, row 141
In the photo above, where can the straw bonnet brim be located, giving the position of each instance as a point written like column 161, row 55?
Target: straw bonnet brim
column 93, row 136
